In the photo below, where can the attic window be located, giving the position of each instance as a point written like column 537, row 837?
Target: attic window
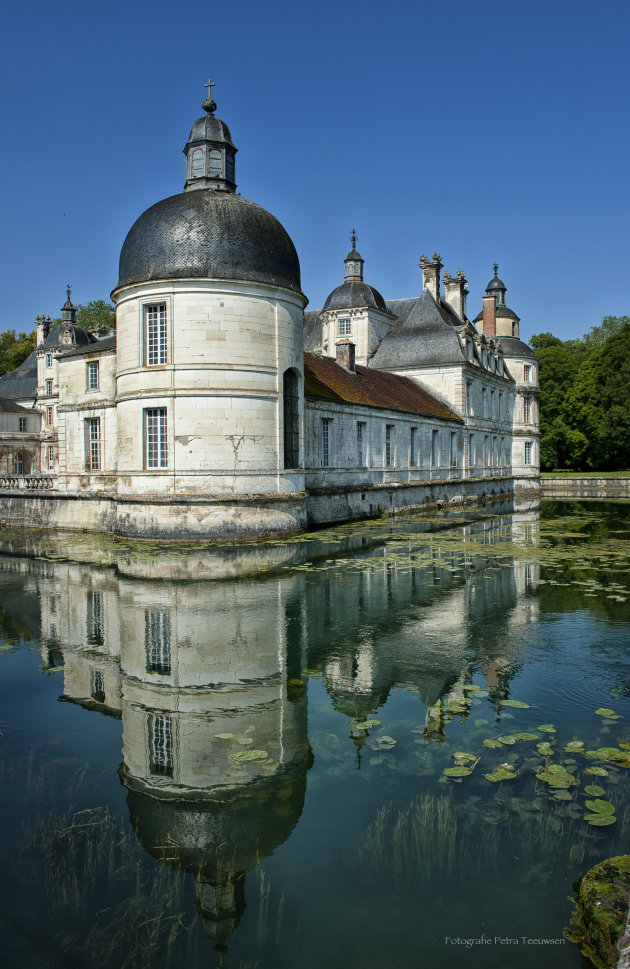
column 344, row 327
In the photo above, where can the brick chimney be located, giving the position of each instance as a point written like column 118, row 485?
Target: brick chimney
column 456, row 292
column 345, row 355
column 489, row 317
column 431, row 274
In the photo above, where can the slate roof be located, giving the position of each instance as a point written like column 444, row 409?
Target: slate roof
column 101, row 346
column 324, row 377
column 10, row 407
column 312, row 329
column 209, row 235
column 355, row 293
column 502, row 311
column 424, row 336
column 513, row 347
column 22, row 382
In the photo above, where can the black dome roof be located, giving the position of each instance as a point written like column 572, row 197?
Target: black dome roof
column 355, row 293
column 205, row 234
column 495, row 284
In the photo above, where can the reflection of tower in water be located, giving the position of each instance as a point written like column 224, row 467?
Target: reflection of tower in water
column 215, row 746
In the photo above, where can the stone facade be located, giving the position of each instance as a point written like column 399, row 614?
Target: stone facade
column 203, row 417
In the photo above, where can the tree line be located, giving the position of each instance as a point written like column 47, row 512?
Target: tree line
column 15, row 347
column 585, row 398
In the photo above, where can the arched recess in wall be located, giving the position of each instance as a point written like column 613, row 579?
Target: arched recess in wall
column 291, row 418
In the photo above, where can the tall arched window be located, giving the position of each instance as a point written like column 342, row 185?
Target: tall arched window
column 291, row 411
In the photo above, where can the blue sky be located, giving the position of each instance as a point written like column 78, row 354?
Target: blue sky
column 485, row 130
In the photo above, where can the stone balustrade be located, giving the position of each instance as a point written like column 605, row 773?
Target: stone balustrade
column 27, row 482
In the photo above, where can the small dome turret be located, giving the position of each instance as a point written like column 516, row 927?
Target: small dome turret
column 210, row 152
column 496, row 287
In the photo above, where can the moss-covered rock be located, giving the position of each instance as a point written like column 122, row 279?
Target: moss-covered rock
column 601, row 911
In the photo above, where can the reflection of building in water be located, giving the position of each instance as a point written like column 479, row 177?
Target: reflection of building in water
column 207, row 678
column 215, row 746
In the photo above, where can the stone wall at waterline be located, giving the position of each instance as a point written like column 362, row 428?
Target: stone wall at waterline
column 586, row 486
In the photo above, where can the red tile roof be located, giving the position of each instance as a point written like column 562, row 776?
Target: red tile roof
column 324, row 377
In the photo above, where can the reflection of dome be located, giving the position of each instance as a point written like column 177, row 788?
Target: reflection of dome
column 209, row 235
column 219, row 840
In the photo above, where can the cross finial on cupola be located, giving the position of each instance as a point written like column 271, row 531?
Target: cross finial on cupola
column 68, row 310
column 353, row 263
column 68, row 291
column 496, row 270
column 209, row 104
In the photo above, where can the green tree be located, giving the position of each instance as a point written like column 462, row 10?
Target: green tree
column 95, row 315
column 15, row 349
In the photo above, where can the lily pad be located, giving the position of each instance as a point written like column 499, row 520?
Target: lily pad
column 508, row 739
column 240, row 756
column 462, row 757
column 600, row 820
column 526, row 736
column 563, row 796
column 545, row 749
column 596, row 771
column 605, row 712
column 223, row 736
column 514, row 703
column 575, row 746
column 366, row 724
column 593, row 790
column 600, row 807
column 503, row 773
column 492, row 743
column 457, row 771
column 547, row 728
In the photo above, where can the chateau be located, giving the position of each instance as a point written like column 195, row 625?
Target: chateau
column 222, row 409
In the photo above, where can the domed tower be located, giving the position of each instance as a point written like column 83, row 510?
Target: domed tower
column 498, row 321
column 355, row 312
column 209, row 393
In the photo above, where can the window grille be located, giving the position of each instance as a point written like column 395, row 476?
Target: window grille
column 528, row 452
column 389, row 447
column 161, row 744
column 413, row 447
column 93, row 435
column 93, row 375
column 344, row 327
column 49, row 385
column 325, row 452
column 155, row 435
column 527, row 372
column 361, row 461
column 454, row 455
column 49, row 416
column 22, row 423
column 50, row 457
column 157, row 641
column 18, row 463
column 155, row 324
column 527, row 410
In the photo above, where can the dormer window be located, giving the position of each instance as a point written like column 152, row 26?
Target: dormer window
column 344, row 327
column 196, row 168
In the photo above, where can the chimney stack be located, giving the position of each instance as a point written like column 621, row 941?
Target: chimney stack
column 489, row 317
column 431, row 274
column 345, row 355
column 456, row 292
column 42, row 328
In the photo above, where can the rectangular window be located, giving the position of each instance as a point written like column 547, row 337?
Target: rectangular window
column 49, row 416
column 95, row 617
column 325, row 441
column 492, row 404
column 495, row 452
column 22, row 423
column 155, row 437
column 50, row 457
column 18, row 463
column 93, row 443
column 49, row 388
column 469, row 409
column 435, row 449
column 361, row 461
column 527, row 373
column 344, row 327
column 503, row 453
column 161, row 744
column 49, row 359
column 157, row 641
column 500, row 415
column 527, row 410
column 389, row 447
column 484, row 402
column 155, row 334
column 454, row 455
column 471, row 450
column 528, row 452
column 92, row 375
column 413, row 447
column 486, row 451
column 98, row 686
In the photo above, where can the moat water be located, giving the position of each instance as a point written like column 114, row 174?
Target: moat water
column 236, row 757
